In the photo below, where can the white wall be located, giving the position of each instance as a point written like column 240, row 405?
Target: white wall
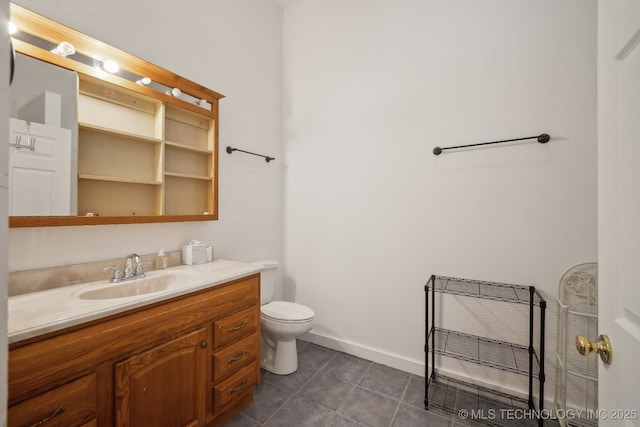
column 4, row 178
column 234, row 48
column 370, row 87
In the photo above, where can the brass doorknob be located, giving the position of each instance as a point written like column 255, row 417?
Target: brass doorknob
column 602, row 347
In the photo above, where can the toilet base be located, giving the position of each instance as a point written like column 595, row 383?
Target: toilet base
column 279, row 357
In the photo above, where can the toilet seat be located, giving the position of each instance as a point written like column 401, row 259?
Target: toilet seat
column 286, row 312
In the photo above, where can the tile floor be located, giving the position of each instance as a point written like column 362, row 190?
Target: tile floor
column 334, row 389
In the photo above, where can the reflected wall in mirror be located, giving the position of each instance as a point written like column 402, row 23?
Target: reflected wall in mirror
column 133, row 144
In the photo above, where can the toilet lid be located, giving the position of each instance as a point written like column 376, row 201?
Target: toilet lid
column 286, row 311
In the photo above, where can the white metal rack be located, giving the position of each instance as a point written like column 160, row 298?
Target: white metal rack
column 576, row 375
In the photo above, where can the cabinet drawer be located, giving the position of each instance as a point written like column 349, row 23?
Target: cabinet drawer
column 235, row 326
column 73, row 404
column 231, row 358
column 235, row 387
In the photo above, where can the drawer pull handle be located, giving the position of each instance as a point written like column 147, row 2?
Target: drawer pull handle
column 242, row 356
column 240, row 387
column 57, row 412
column 235, row 328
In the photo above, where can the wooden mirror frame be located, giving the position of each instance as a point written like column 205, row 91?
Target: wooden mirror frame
column 45, row 29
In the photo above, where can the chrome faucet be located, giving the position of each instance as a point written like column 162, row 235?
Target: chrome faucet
column 132, row 269
column 132, row 265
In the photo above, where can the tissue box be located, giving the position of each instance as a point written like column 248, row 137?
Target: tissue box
column 193, row 254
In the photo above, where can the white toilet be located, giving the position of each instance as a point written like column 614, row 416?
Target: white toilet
column 281, row 322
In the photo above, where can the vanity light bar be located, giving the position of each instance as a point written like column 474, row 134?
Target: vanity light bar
column 37, row 32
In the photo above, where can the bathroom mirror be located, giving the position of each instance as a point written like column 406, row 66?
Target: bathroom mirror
column 99, row 136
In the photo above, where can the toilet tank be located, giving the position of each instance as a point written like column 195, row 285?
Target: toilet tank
column 268, row 277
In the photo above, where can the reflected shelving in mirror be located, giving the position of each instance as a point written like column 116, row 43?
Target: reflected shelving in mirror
column 145, row 141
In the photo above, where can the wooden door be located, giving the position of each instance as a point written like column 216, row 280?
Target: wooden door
column 164, row 386
column 619, row 209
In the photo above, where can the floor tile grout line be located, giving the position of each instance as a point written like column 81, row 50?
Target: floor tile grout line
column 297, row 391
column 404, row 391
column 354, row 386
column 395, row 412
column 294, row 394
column 337, row 410
column 279, row 408
column 346, row 398
column 406, row 387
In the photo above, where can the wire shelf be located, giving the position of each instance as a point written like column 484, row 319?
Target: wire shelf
column 501, row 355
column 485, row 405
column 579, row 422
column 505, row 356
column 486, row 290
column 584, row 367
column 587, row 310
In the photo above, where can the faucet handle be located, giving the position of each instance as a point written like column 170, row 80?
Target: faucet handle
column 117, row 273
column 139, row 270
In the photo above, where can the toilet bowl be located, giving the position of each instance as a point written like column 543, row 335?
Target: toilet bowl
column 281, row 323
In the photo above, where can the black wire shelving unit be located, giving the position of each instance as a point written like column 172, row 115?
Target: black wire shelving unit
column 447, row 393
column 526, row 360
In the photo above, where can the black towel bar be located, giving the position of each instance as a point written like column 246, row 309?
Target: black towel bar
column 542, row 139
column 267, row 158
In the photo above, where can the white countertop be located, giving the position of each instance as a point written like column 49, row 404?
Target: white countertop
column 38, row 313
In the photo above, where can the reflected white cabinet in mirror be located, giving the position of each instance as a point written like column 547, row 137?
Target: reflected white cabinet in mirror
column 144, row 143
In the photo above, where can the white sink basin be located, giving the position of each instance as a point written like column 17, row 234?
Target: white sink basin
column 154, row 282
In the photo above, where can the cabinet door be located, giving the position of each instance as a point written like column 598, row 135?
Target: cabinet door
column 164, row 386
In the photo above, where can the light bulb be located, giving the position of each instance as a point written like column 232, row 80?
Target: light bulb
column 111, row 66
column 64, row 49
column 175, row 92
column 145, row 81
column 12, row 28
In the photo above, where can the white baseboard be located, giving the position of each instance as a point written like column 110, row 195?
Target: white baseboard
column 395, row 361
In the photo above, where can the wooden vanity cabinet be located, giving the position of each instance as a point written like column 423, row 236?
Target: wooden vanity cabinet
column 189, row 361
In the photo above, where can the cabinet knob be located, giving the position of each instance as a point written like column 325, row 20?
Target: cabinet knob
column 204, row 344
